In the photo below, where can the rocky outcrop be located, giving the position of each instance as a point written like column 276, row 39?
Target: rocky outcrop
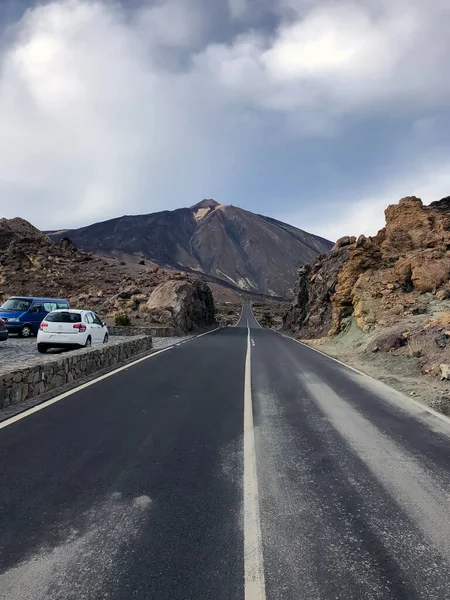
column 311, row 309
column 376, row 279
column 187, row 305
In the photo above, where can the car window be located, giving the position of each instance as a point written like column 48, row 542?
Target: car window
column 62, row 305
column 63, row 317
column 49, row 306
column 89, row 318
column 97, row 320
column 36, row 308
column 18, row 304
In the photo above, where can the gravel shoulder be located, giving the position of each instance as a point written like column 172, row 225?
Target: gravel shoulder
column 400, row 371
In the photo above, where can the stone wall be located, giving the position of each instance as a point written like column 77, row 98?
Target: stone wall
column 154, row 331
column 19, row 385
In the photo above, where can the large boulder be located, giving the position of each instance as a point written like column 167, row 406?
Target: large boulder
column 185, row 304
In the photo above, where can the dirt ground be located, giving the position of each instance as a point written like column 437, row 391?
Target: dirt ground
column 412, row 369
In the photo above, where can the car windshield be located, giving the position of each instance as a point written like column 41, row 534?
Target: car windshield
column 16, row 304
column 63, row 317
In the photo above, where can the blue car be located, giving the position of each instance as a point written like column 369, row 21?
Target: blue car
column 23, row 315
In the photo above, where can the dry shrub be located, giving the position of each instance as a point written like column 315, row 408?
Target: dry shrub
column 415, row 348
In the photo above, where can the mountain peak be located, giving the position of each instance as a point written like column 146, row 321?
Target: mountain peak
column 205, row 204
column 248, row 251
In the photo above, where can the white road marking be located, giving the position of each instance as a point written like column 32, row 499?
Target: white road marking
column 255, row 588
column 240, row 316
column 253, row 342
column 27, row 413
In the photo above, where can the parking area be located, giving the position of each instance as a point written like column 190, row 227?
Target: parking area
column 22, row 353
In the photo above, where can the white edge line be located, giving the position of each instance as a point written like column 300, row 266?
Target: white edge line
column 42, row 405
column 240, row 316
column 424, row 407
column 254, row 580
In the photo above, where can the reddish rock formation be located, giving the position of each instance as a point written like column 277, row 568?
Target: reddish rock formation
column 376, row 279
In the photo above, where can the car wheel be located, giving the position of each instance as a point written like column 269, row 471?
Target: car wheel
column 88, row 343
column 105, row 339
column 25, row 331
column 42, row 348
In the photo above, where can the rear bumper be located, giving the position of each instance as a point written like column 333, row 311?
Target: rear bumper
column 14, row 328
column 61, row 345
column 4, row 335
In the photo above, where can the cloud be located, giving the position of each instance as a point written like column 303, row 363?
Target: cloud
column 332, row 59
column 93, row 125
column 107, row 109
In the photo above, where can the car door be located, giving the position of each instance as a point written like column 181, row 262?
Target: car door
column 101, row 329
column 35, row 316
column 94, row 328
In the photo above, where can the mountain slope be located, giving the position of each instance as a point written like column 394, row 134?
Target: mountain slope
column 250, row 251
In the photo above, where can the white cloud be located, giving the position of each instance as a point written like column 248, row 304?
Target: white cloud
column 105, row 110
column 339, row 58
column 92, row 124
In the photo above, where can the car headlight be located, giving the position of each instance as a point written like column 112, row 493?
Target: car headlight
column 13, row 320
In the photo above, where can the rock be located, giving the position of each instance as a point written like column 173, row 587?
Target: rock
column 392, row 341
column 100, row 294
column 442, row 405
column 127, row 293
column 188, row 305
column 419, row 309
column 141, row 262
column 67, row 244
column 347, row 240
column 441, row 340
column 428, row 274
column 140, row 298
column 443, row 294
column 314, row 298
column 445, row 371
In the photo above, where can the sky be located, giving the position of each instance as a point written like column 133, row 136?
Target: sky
column 319, row 113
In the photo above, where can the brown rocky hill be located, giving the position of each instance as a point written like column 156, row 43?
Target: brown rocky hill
column 32, row 264
column 393, row 288
column 376, row 279
column 249, row 251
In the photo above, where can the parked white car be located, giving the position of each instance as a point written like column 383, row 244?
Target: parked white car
column 70, row 328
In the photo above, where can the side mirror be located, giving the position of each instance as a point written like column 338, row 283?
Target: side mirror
column 104, row 324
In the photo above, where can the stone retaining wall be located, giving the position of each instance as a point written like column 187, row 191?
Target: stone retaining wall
column 153, row 331
column 18, row 385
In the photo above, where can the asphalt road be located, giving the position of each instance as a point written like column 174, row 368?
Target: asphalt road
column 238, row 465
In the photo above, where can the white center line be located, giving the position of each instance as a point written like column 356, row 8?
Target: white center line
column 255, row 588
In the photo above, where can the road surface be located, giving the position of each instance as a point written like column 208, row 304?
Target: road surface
column 240, row 465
